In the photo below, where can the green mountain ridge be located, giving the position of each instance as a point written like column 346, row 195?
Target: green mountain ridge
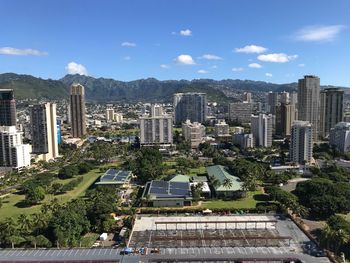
column 150, row 89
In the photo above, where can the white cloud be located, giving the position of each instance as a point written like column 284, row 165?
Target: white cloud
column 128, row 44
column 237, row 69
column 21, row 52
column 277, row 57
column 254, row 65
column 301, row 65
column 127, row 58
column 75, row 68
column 203, row 71
column 214, row 66
column 185, row 60
column 211, row 57
column 186, row 32
column 318, row 33
column 268, row 75
column 164, row 66
column 251, row 49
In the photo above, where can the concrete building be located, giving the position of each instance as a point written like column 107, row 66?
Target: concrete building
column 118, row 117
column 284, row 97
column 156, row 130
column 13, row 153
column 272, row 101
column 244, row 141
column 331, row 109
column 240, row 111
column 190, row 106
column 238, row 129
column 222, row 129
column 7, row 108
column 193, row 132
column 43, row 124
column 156, row 110
column 247, row 96
column 286, row 114
column 301, row 143
column 293, row 98
column 309, row 102
column 77, row 110
column 109, row 114
column 339, row 136
column 262, row 129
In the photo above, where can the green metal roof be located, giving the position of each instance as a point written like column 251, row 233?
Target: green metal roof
column 220, row 173
column 180, row 178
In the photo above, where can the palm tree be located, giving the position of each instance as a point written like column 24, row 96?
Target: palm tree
column 24, row 223
column 227, row 183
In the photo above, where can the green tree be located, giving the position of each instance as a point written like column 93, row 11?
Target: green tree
column 227, row 183
column 35, row 195
column 148, row 164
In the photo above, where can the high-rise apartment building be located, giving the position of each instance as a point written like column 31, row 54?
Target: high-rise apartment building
column 156, row 110
column 284, row 97
column 193, row 132
column 43, row 124
column 7, row 108
column 300, row 149
column 157, row 130
column 309, row 102
column 272, row 100
column 331, row 109
column 240, row 111
column 285, row 116
column 190, row 106
column 109, row 114
column 247, row 97
column 339, row 136
column 262, row 129
column 13, row 153
column 77, row 110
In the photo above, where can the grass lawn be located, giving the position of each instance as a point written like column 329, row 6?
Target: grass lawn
column 9, row 208
column 244, row 203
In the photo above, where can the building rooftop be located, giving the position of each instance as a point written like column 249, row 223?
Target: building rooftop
column 117, row 177
column 179, row 178
column 219, row 172
column 167, row 190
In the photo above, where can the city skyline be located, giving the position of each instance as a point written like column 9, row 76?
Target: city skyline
column 182, row 40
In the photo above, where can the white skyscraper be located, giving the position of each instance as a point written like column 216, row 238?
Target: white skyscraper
column 339, row 136
column 300, row 150
column 109, row 114
column 262, row 129
column 13, row 153
column 43, row 123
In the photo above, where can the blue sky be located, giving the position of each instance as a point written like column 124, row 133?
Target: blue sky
column 276, row 41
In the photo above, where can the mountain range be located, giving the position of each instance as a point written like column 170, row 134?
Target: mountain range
column 150, row 89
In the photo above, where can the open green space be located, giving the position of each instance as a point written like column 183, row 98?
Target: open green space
column 9, row 208
column 248, row 202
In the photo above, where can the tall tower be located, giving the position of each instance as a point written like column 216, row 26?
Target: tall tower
column 190, row 106
column 44, row 130
column 331, row 109
column 285, row 116
column 300, row 150
column 77, row 110
column 7, row 108
column 262, row 129
column 272, row 99
column 308, row 102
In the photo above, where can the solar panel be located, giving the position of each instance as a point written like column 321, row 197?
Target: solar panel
column 162, row 184
column 180, row 192
column 155, row 190
column 179, row 185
